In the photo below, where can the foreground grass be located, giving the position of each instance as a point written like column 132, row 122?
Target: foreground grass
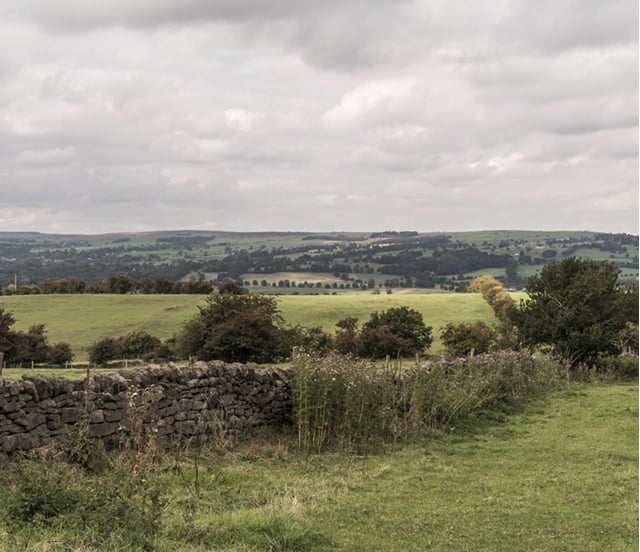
column 82, row 319
column 561, row 475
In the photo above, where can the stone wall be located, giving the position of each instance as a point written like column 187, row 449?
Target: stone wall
column 169, row 403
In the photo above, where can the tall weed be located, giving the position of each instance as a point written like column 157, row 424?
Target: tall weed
column 340, row 401
column 349, row 404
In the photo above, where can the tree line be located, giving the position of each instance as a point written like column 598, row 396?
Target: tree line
column 576, row 309
column 116, row 284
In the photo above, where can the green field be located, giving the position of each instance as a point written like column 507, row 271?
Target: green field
column 559, row 476
column 83, row 319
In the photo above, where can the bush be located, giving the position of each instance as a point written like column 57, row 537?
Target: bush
column 103, row 350
column 447, row 393
column 60, row 353
column 618, row 367
column 467, row 337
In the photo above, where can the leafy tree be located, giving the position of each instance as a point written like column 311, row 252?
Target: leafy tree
column 396, row 331
column 576, row 307
column 236, row 326
column 467, row 337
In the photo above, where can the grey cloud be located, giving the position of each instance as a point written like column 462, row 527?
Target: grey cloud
column 80, row 14
column 423, row 115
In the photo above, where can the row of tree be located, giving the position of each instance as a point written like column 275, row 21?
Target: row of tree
column 118, row 284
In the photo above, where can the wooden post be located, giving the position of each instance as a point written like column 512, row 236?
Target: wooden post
column 1, row 362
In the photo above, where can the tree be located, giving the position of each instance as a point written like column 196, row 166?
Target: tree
column 60, row 353
column 31, row 346
column 103, row 350
column 235, row 326
column 19, row 346
column 398, row 331
column 136, row 344
column 578, row 308
column 467, row 337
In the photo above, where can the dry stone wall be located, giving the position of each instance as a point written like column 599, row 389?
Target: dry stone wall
column 167, row 403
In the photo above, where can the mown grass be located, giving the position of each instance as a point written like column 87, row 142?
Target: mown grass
column 559, row 475
column 83, row 319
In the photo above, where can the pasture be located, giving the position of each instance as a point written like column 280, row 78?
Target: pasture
column 83, row 319
column 561, row 474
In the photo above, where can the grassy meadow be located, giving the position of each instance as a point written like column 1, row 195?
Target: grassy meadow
column 560, row 474
column 83, row 319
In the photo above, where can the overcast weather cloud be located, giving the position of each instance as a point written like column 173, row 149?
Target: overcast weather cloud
column 428, row 115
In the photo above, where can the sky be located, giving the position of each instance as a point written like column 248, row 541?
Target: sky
column 300, row 115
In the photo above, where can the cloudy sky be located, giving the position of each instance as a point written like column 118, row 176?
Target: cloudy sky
column 428, row 115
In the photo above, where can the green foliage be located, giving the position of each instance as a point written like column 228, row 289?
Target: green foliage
column 236, row 327
column 60, row 497
column 20, row 347
column 313, row 339
column 60, row 353
column 137, row 343
column 576, row 307
column 617, row 368
column 340, row 402
column 347, row 339
column 467, row 337
column 103, row 350
column 398, row 331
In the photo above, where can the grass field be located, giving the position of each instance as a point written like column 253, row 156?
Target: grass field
column 83, row 319
column 559, row 476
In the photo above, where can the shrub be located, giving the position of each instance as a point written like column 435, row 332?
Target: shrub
column 60, row 353
column 467, row 337
column 618, row 367
column 103, row 350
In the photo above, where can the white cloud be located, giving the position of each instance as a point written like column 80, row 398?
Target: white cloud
column 375, row 101
column 241, row 119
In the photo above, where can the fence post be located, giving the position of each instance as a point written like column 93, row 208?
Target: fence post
column 1, row 362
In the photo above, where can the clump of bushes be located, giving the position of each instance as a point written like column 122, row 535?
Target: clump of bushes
column 136, row 344
column 350, row 404
column 19, row 347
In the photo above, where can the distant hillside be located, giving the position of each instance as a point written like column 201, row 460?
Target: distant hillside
column 306, row 262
